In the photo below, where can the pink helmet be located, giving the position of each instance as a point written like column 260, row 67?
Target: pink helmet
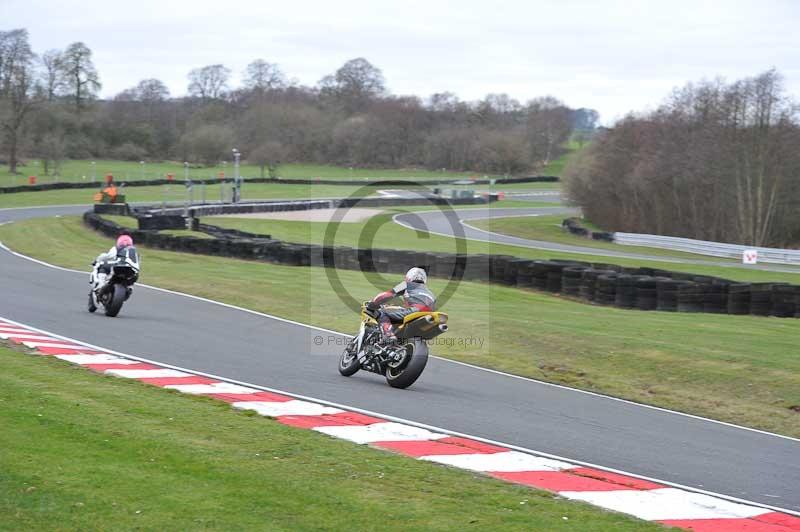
column 124, row 241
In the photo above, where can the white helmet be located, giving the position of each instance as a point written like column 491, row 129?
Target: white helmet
column 416, row 275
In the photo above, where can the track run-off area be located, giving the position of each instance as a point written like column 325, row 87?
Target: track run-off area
column 240, row 345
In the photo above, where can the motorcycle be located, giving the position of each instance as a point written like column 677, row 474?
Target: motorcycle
column 401, row 363
column 122, row 274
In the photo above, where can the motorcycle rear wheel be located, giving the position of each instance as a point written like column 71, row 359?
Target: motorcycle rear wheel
column 407, row 374
column 115, row 301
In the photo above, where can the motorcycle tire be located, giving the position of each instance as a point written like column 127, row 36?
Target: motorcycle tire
column 115, row 301
column 91, row 307
column 409, row 372
column 348, row 362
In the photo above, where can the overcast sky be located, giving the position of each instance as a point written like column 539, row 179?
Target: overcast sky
column 608, row 55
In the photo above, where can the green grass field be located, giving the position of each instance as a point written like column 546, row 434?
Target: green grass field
column 81, row 451
column 82, row 170
column 556, row 167
column 177, row 193
column 548, row 228
column 740, row 369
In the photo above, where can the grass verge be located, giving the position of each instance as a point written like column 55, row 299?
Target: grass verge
column 86, row 452
column 739, row 369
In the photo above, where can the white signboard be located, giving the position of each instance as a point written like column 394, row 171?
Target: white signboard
column 750, row 256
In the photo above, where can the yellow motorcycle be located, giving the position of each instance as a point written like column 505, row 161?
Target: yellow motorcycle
column 401, row 363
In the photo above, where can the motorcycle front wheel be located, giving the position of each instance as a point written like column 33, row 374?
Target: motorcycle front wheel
column 348, row 362
column 412, row 365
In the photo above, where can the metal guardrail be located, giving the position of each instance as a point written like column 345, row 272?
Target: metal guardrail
column 702, row 247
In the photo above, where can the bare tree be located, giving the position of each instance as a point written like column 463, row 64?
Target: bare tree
column 150, row 95
column 18, row 91
column 355, row 84
column 52, row 149
column 80, row 74
column 208, row 144
column 263, row 76
column 716, row 162
column 268, row 155
column 549, row 125
column 209, row 82
column 53, row 73
column 152, row 90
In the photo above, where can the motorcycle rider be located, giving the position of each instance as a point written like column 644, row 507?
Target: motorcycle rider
column 416, row 298
column 101, row 270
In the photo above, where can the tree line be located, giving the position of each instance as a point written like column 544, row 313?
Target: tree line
column 49, row 109
column 717, row 161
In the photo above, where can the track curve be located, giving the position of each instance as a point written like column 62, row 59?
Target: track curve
column 268, row 351
column 440, row 222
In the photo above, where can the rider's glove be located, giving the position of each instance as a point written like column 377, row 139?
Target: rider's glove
column 371, row 305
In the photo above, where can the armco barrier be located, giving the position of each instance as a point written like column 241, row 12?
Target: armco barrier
column 604, row 284
column 702, row 247
column 687, row 245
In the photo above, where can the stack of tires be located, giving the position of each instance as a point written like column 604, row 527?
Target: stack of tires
column 783, row 301
column 691, row 296
column 571, row 280
column 554, row 271
column 716, row 300
column 588, row 287
column 761, row 299
column 476, row 268
column 626, row 291
column 797, row 302
column 667, row 294
column 646, row 292
column 606, row 289
column 739, row 298
column 525, row 274
column 513, row 269
column 497, row 268
column 539, row 271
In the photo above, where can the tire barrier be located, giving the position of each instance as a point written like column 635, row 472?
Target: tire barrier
column 644, row 289
column 573, row 226
column 352, row 182
column 199, row 211
column 739, row 298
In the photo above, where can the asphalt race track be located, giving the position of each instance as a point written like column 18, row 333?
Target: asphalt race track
column 436, row 221
column 257, row 349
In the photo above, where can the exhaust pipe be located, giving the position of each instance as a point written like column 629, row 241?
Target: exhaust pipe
column 443, row 327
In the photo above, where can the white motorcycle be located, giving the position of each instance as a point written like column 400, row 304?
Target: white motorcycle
column 120, row 276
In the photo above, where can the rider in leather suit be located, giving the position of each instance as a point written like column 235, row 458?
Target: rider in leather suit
column 416, row 298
